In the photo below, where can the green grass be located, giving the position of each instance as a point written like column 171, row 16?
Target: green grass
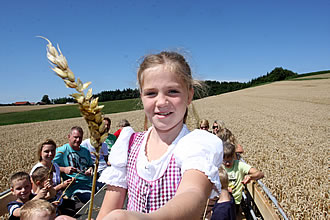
column 314, row 73
column 300, row 76
column 63, row 112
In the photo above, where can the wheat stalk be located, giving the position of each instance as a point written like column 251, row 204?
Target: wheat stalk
column 88, row 106
column 50, row 170
column 59, row 199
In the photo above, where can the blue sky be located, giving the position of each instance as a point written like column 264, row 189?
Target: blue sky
column 103, row 41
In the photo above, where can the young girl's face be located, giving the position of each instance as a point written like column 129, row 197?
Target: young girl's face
column 165, row 98
column 48, row 152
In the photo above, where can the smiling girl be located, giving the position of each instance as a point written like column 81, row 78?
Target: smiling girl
column 45, row 154
column 167, row 171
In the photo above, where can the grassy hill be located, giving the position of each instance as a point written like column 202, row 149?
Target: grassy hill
column 62, row 112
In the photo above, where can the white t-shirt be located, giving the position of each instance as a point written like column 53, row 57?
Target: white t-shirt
column 103, row 152
column 198, row 150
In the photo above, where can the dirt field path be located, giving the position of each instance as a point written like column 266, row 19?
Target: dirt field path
column 284, row 128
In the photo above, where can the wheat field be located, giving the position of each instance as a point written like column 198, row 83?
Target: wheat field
column 284, row 128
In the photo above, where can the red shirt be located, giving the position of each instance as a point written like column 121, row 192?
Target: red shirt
column 117, row 133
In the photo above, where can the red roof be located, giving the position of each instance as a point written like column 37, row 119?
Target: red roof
column 21, row 103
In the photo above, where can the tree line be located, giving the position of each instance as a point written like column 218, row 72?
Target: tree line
column 213, row 87
column 216, row 88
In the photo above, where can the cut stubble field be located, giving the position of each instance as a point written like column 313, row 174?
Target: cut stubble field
column 284, row 128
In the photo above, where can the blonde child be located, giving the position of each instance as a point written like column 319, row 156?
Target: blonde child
column 224, row 209
column 226, row 135
column 239, row 173
column 21, row 186
column 41, row 180
column 38, row 209
column 167, row 171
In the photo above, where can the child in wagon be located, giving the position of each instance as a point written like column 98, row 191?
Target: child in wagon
column 239, row 173
column 41, row 178
column 168, row 172
column 21, row 187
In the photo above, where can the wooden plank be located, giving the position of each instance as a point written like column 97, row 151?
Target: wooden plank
column 265, row 208
column 82, row 214
column 4, row 200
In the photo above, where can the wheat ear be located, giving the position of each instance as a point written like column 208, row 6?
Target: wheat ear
column 88, row 105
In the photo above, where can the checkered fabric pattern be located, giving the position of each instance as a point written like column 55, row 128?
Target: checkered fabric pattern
column 148, row 196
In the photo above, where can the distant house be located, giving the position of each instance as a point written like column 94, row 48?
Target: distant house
column 22, row 103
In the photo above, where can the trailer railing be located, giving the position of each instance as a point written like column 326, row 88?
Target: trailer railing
column 256, row 195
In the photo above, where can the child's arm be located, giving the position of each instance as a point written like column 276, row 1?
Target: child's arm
column 63, row 185
column 188, row 202
column 51, row 192
column 41, row 194
column 254, row 174
column 16, row 212
column 114, row 199
column 47, row 192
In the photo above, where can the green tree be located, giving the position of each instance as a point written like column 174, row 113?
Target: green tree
column 45, row 99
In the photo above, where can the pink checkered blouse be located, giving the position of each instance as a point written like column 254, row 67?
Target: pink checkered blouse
column 148, row 196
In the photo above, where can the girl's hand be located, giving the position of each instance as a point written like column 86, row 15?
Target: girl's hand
column 47, row 184
column 42, row 193
column 247, row 179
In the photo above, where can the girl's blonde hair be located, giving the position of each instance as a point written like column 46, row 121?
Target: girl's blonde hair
column 41, row 145
column 226, row 135
column 175, row 63
column 220, row 124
